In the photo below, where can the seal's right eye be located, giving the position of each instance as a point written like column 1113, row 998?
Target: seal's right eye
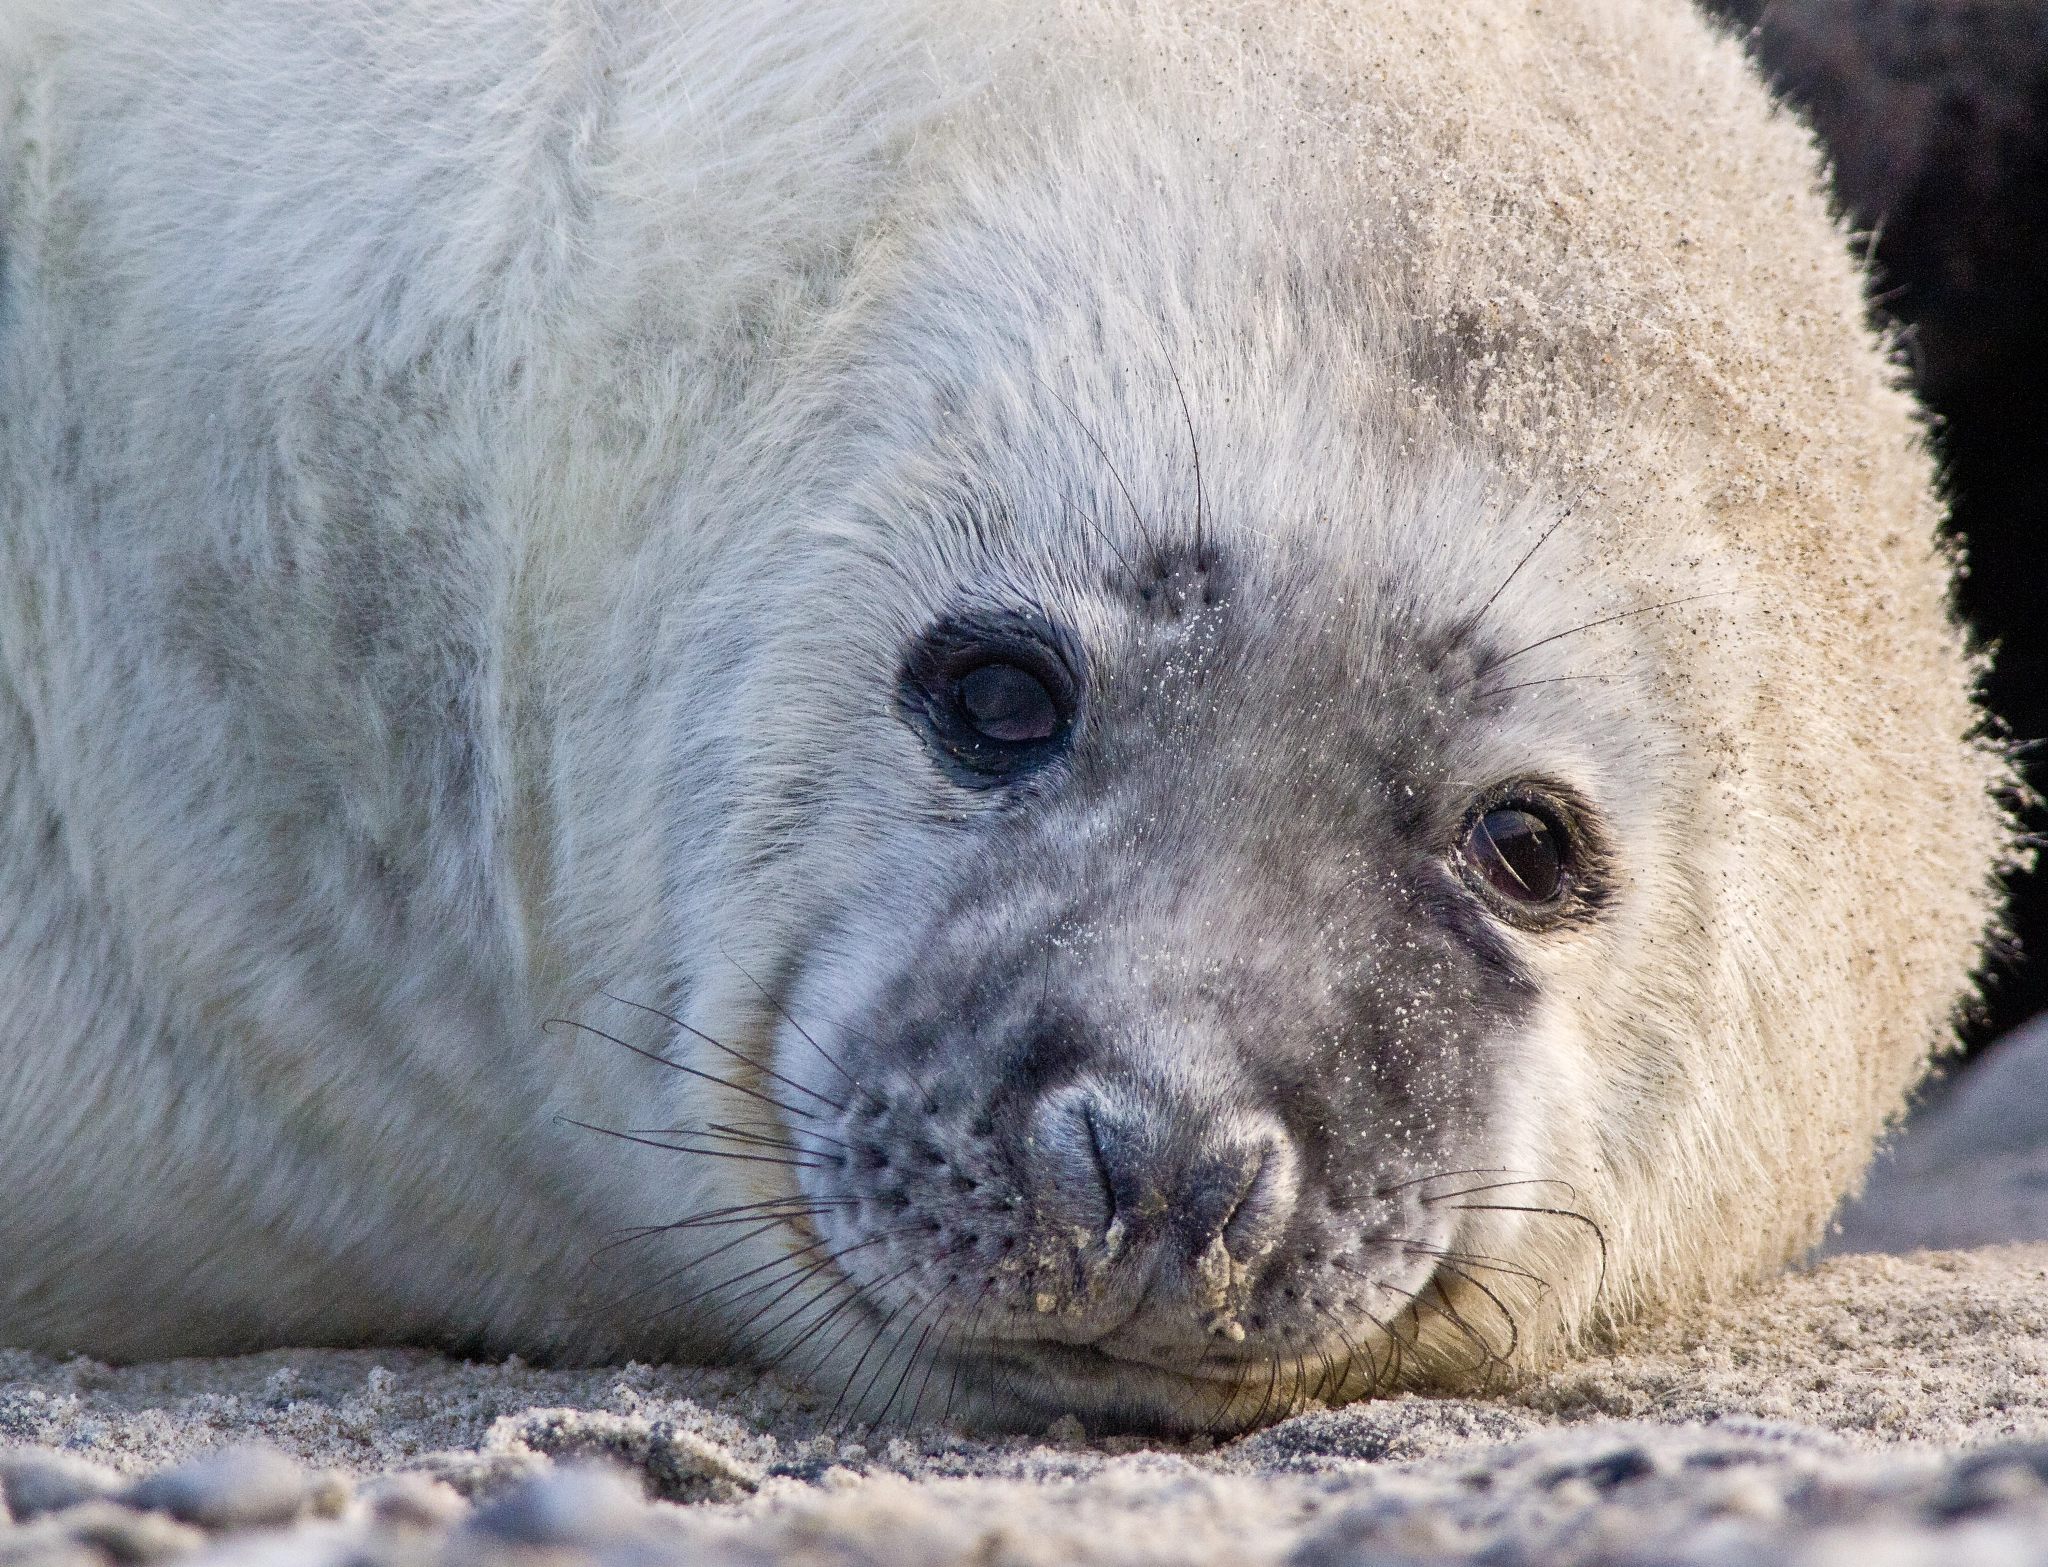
column 1007, row 704
column 993, row 695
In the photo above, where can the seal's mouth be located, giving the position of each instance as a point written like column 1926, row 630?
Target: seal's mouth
column 1112, row 1387
column 1110, row 1392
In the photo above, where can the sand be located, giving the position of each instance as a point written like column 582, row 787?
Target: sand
column 1872, row 1408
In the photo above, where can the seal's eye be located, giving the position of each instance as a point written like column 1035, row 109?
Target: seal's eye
column 1534, row 854
column 993, row 693
column 1009, row 704
column 1517, row 853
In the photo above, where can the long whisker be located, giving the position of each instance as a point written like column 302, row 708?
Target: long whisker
column 854, row 1374
column 803, row 1033
column 1507, row 1316
column 910, row 1361
column 1555, row 1213
column 1101, row 533
column 802, row 1278
column 1526, row 558
column 1501, row 1186
column 777, row 1209
column 676, row 1273
column 678, row 1066
column 1325, row 1388
column 1474, row 1260
column 1525, row 685
column 1195, row 447
column 689, row 1070
column 1158, row 560
column 708, row 1153
column 1439, row 1175
column 962, row 1344
column 1395, row 1349
column 1606, row 620
column 1444, row 1308
column 849, row 1296
column 796, row 1260
column 740, row 1056
column 740, row 1134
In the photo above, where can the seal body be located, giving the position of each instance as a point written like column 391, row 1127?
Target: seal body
column 1030, row 708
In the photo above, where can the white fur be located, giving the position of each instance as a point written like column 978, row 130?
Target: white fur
column 469, row 471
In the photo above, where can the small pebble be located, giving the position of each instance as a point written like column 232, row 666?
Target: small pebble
column 1066, row 1432
column 414, row 1501
column 37, row 1480
column 582, row 1504
column 328, row 1494
column 108, row 1530
column 234, row 1488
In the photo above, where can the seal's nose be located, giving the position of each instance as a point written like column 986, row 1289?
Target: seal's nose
column 1200, row 1192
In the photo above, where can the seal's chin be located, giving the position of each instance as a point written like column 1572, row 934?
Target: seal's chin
column 1032, row 1382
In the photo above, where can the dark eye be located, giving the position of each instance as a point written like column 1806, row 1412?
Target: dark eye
column 1005, row 703
column 1517, row 853
column 993, row 694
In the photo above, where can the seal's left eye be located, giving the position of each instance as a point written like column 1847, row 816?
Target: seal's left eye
column 1003, row 702
column 1517, row 853
column 1534, row 854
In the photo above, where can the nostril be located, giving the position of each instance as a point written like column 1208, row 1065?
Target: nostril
column 1102, row 1171
column 1079, row 1161
column 1265, row 1197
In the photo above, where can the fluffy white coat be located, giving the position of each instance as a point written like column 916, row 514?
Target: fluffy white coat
column 468, row 472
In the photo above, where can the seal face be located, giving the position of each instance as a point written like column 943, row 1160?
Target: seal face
column 1158, row 1094
column 1032, row 708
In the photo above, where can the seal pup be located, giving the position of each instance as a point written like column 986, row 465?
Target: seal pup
column 1192, row 709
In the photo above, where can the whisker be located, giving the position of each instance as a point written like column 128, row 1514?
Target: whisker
column 1474, row 1260
column 873, row 1098
column 1554, row 680
column 963, row 1343
column 1526, row 558
column 800, row 1261
column 1101, row 533
column 1443, row 1308
column 678, row 1066
column 849, row 1296
column 1195, row 447
column 738, row 1055
column 1326, row 1389
column 686, row 1268
column 739, row 1134
column 1607, row 620
column 1158, row 559
column 1501, row 1186
column 1394, row 1347
column 1507, row 1316
column 1436, row 1175
column 853, row 1375
column 910, row 1361
column 803, row 1033
column 808, row 1274
column 1266, row 1399
column 1555, row 1213
column 708, row 1153
column 775, row 1209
